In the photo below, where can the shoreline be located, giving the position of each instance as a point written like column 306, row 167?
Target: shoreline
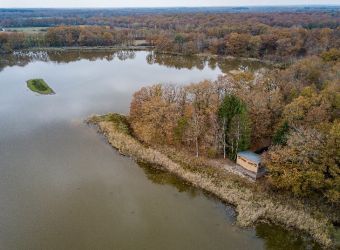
column 147, row 48
column 89, row 48
column 228, row 57
column 251, row 205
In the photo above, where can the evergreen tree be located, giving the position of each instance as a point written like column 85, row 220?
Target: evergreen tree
column 235, row 125
column 281, row 134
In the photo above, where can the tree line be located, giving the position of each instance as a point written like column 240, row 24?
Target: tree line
column 174, row 18
column 65, row 36
column 271, row 36
column 293, row 111
column 271, row 43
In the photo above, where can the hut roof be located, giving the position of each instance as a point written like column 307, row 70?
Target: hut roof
column 250, row 156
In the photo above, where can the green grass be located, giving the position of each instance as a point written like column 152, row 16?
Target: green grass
column 39, row 86
column 120, row 121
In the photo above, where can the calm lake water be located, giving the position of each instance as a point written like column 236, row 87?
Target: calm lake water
column 63, row 187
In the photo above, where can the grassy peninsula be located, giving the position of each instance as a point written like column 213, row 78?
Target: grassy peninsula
column 40, row 86
column 252, row 203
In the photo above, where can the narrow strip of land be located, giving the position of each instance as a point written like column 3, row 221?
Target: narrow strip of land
column 252, row 205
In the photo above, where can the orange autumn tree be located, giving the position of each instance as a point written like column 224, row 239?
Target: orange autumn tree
column 153, row 114
column 309, row 162
column 178, row 116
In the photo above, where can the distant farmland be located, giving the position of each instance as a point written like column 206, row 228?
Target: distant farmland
column 31, row 30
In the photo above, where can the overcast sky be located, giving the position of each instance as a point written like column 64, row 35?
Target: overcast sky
column 154, row 3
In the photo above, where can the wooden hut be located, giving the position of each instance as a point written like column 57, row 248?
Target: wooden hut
column 251, row 162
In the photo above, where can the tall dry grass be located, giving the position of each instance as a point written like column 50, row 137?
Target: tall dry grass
column 251, row 205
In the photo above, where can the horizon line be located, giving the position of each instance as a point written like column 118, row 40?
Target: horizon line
column 167, row 7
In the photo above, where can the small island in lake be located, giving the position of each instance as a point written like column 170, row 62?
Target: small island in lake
column 40, row 86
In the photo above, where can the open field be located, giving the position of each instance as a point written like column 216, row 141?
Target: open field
column 28, row 30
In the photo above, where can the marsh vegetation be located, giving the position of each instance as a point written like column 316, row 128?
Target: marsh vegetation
column 40, row 86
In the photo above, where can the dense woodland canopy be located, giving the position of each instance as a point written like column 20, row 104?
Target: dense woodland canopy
column 308, row 16
column 280, row 36
column 293, row 111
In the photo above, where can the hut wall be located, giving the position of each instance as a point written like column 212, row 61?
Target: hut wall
column 247, row 164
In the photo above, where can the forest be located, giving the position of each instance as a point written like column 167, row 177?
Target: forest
column 292, row 112
column 280, row 36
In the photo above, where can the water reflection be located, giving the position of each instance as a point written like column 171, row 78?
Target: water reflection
column 175, row 61
column 200, row 62
column 83, row 87
column 168, row 60
column 71, row 56
column 159, row 176
column 275, row 237
column 22, row 58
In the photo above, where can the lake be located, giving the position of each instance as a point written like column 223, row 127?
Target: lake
column 63, row 187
